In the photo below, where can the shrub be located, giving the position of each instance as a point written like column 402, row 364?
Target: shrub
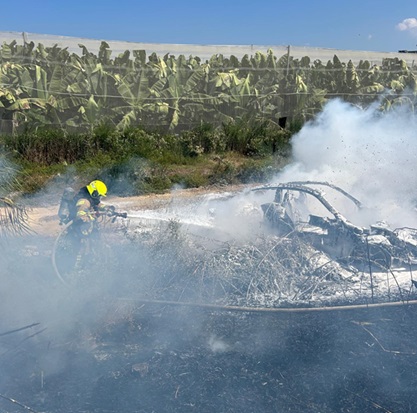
column 49, row 146
column 251, row 137
column 136, row 160
column 252, row 171
column 202, row 139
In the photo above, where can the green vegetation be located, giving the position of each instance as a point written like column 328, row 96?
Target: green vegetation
column 146, row 123
column 49, row 86
column 136, row 161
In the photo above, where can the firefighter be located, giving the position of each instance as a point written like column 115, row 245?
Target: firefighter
column 87, row 205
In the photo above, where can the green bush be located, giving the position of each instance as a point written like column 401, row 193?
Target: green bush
column 202, row 139
column 54, row 146
column 136, row 161
column 193, row 179
column 255, row 138
column 106, row 138
column 48, row 146
column 252, row 171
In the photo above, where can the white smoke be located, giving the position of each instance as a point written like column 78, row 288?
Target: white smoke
column 370, row 154
column 217, row 345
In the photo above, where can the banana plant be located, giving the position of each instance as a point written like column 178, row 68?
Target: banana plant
column 135, row 92
column 50, row 85
column 183, row 94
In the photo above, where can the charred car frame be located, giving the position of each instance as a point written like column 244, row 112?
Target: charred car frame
column 336, row 236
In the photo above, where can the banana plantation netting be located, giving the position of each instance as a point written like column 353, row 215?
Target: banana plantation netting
column 50, row 85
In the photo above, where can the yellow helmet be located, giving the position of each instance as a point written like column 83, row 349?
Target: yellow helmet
column 97, row 189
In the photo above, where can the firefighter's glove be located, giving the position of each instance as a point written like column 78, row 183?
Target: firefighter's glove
column 110, row 210
column 86, row 228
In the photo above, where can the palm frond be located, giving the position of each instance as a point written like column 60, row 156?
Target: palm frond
column 13, row 218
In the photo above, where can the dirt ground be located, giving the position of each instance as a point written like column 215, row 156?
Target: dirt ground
column 103, row 351
column 43, row 220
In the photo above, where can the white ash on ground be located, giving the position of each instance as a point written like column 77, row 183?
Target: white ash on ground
column 261, row 270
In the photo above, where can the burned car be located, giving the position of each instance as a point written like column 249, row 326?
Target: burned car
column 349, row 244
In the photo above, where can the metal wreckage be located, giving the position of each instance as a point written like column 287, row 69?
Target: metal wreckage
column 347, row 243
column 294, row 250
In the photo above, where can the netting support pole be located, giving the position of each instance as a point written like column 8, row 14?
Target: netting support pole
column 288, row 58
